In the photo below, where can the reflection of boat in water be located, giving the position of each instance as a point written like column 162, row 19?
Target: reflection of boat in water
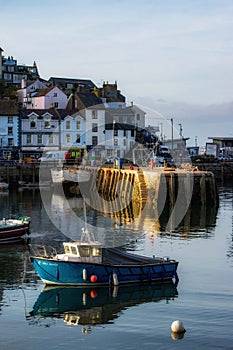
column 57, row 175
column 3, row 186
column 91, row 306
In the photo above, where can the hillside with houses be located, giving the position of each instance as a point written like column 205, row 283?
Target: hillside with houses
column 64, row 114
column 76, row 115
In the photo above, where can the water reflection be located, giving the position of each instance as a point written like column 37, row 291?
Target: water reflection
column 92, row 306
column 13, row 262
column 117, row 227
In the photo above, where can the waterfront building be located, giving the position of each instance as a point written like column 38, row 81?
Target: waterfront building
column 73, row 134
column 224, row 147
column 9, row 128
column 39, row 129
column 139, row 116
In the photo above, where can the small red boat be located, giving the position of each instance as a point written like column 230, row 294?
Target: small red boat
column 12, row 230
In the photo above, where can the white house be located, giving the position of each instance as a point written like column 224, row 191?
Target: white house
column 28, row 90
column 51, row 97
column 73, row 136
column 95, row 130
column 139, row 116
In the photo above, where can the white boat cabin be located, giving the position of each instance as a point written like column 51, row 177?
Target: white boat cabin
column 83, row 251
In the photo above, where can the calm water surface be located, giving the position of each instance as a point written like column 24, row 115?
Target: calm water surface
column 123, row 318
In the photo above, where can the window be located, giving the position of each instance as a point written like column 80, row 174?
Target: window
column 138, row 116
column 39, row 139
column 47, row 122
column 124, row 142
column 51, row 138
column 78, row 138
column 29, row 139
column 55, row 104
column 55, row 94
column 115, row 132
column 96, row 251
column 68, row 138
column 68, row 125
column 132, row 133
column 94, row 114
column 10, row 142
column 73, row 250
column 7, row 76
column 67, row 249
column 10, row 130
column 78, row 125
column 94, row 127
column 115, row 142
column 84, row 251
column 124, row 133
column 94, row 140
column 10, row 119
column 32, row 122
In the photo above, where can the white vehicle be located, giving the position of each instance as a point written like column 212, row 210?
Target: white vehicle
column 163, row 150
column 53, row 156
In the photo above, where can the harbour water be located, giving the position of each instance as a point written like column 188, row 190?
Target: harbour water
column 120, row 318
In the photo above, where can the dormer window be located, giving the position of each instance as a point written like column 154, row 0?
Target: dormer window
column 47, row 122
column 32, row 122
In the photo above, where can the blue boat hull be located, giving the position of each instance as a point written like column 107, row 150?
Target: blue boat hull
column 84, row 274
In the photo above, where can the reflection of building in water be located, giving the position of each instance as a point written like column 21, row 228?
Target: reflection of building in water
column 63, row 214
column 135, row 201
column 157, row 201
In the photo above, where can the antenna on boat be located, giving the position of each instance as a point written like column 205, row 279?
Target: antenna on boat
column 85, row 214
column 86, row 236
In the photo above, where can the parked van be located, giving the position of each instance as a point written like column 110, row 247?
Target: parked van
column 53, row 156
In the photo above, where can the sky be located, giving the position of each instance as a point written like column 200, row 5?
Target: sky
column 173, row 57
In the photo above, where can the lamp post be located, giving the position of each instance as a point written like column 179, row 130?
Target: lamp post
column 161, row 131
column 172, row 131
column 180, row 125
column 114, row 122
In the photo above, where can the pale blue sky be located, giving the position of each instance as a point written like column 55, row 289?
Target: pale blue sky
column 176, row 51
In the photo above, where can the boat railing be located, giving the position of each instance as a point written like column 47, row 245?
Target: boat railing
column 42, row 250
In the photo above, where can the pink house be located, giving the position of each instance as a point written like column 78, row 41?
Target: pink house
column 51, row 97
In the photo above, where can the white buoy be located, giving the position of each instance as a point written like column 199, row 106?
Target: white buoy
column 177, row 327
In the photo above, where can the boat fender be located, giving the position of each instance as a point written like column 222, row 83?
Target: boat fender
column 115, row 279
column 93, row 278
column 84, row 274
column 84, row 299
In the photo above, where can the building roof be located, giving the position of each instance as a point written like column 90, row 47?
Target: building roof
column 89, row 99
column 225, row 138
column 62, row 82
column 56, row 113
column 45, row 91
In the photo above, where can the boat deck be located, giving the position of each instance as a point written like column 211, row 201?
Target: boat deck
column 118, row 257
